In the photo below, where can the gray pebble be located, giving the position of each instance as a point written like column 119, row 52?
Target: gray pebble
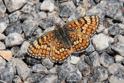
column 49, row 79
column 23, row 50
column 39, row 68
column 93, row 59
column 13, row 17
column 14, row 5
column 74, row 77
column 22, row 69
column 84, row 68
column 13, row 39
column 2, row 36
column 67, row 9
column 90, row 49
column 114, row 30
column 64, row 70
column 17, row 79
column 14, row 27
column 115, row 67
column 2, row 9
column 100, row 74
column 35, row 78
column 3, row 24
column 8, row 73
column 2, row 64
column 118, row 77
column 102, row 41
column 106, row 60
column 47, row 5
column 47, row 63
column 2, row 46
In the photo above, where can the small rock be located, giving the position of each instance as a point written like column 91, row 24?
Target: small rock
column 8, row 73
column 93, row 59
column 74, row 77
column 84, row 68
column 119, row 58
column 14, row 27
column 17, row 79
column 2, row 9
column 114, row 30
column 90, row 49
column 119, row 47
column 13, row 5
column 67, row 9
column 47, row 5
column 100, row 74
column 28, row 26
column 120, row 39
column 2, row 36
column 39, row 68
column 74, row 59
column 23, row 49
column 106, row 60
column 101, row 41
column 47, row 63
column 35, row 78
column 115, row 67
column 2, row 46
column 13, row 39
column 64, row 70
column 100, row 28
column 2, row 64
column 42, row 15
column 3, row 26
column 49, row 79
column 13, row 17
column 6, row 54
column 115, row 79
column 53, row 70
column 22, row 69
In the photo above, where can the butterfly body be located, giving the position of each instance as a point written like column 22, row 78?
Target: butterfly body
column 59, row 43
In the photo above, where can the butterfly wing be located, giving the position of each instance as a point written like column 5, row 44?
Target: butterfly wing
column 81, row 30
column 41, row 47
column 48, row 46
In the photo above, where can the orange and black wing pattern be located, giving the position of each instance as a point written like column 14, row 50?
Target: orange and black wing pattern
column 58, row 44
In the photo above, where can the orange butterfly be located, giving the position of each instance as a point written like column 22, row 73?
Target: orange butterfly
column 59, row 43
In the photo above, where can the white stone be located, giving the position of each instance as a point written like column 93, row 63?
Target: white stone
column 114, row 79
column 47, row 5
column 3, row 26
column 74, row 59
column 102, row 41
column 115, row 67
column 13, row 39
column 2, row 46
column 119, row 58
column 2, row 36
column 13, row 5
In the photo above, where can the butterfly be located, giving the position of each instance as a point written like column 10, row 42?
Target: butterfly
column 61, row 42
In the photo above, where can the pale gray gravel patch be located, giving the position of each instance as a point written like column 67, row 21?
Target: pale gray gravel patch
column 2, row 9
column 102, row 41
column 22, row 69
column 13, row 5
column 8, row 73
column 47, row 5
column 2, row 46
column 39, row 68
column 13, row 39
column 47, row 63
column 106, row 60
column 2, row 36
column 13, row 17
column 2, row 64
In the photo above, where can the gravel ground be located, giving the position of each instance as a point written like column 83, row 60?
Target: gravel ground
column 22, row 21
